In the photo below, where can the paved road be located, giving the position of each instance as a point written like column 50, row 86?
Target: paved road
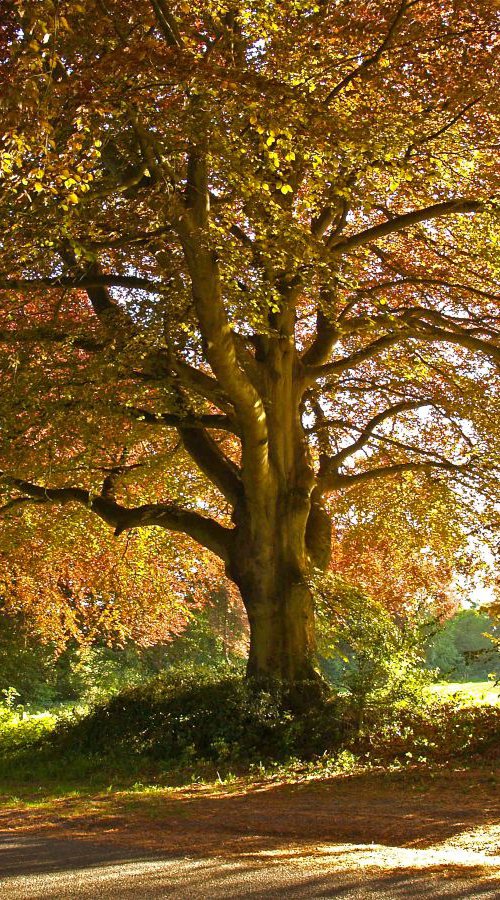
column 41, row 866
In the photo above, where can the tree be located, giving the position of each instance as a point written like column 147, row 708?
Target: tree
column 250, row 267
column 464, row 646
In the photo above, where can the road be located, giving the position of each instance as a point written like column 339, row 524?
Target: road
column 35, row 866
column 357, row 837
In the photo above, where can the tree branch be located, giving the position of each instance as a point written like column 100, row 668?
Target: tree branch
column 399, row 223
column 205, row 531
column 359, row 356
column 167, row 24
column 210, row 459
column 367, row 431
column 326, row 336
column 333, row 481
column 218, row 422
column 374, row 58
column 90, row 280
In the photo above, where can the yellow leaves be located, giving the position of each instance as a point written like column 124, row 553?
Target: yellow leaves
column 73, row 198
column 38, row 187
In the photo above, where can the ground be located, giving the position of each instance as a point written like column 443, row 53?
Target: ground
column 407, row 833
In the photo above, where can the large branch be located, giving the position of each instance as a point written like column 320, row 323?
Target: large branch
column 323, row 342
column 205, row 531
column 167, row 23
column 52, row 335
column 114, row 319
column 368, row 430
column 429, row 332
column 418, row 330
column 210, row 459
column 91, row 279
column 219, row 342
column 333, row 481
column 359, row 356
column 216, row 421
column 406, row 220
column 382, row 286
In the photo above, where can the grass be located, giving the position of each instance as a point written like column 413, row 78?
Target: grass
column 460, row 715
column 483, row 692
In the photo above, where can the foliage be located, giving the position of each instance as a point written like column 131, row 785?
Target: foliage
column 37, row 672
column 93, row 594
column 464, row 646
column 251, row 270
column 404, row 542
column 365, row 651
column 193, row 714
column 438, row 731
column 26, row 663
column 19, row 732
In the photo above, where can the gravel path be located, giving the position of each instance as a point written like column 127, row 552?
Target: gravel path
column 358, row 837
column 43, row 867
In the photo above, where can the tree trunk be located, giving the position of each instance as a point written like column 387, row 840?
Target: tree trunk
column 280, row 526
column 282, row 644
column 271, row 573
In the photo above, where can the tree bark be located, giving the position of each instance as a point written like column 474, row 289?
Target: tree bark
column 282, row 642
column 271, row 568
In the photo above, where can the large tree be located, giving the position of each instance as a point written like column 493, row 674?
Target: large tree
column 248, row 265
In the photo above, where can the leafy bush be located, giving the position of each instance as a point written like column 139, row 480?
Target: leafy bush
column 18, row 732
column 181, row 715
column 377, row 661
column 437, row 731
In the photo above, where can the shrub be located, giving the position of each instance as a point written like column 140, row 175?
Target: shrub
column 377, row 661
column 179, row 715
column 437, row 731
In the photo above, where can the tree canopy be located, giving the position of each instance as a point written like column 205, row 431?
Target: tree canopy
column 249, row 267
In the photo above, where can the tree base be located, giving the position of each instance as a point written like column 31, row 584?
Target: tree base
column 299, row 696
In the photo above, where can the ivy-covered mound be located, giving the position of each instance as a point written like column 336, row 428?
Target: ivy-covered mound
column 204, row 716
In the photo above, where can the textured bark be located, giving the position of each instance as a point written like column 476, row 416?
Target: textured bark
column 282, row 642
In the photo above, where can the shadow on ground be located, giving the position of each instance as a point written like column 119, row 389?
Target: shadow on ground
column 398, row 835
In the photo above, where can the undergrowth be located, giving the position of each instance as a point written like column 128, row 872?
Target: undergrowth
column 202, row 727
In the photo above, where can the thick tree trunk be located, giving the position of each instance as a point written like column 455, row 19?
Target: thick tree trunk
column 282, row 643
column 280, row 525
column 271, row 572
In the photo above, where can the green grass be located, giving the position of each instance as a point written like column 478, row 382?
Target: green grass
column 478, row 691
column 458, row 721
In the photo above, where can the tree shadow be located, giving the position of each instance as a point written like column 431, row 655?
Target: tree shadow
column 330, row 823
column 70, row 867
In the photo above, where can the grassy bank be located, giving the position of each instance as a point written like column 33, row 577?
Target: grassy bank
column 171, row 733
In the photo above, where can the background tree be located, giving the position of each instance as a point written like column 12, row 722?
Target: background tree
column 250, row 265
column 466, row 647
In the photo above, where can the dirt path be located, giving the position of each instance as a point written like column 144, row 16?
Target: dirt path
column 359, row 836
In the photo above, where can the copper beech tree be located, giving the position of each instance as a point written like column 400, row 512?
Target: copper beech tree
column 248, row 265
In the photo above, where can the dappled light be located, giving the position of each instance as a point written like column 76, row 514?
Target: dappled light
column 249, row 449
